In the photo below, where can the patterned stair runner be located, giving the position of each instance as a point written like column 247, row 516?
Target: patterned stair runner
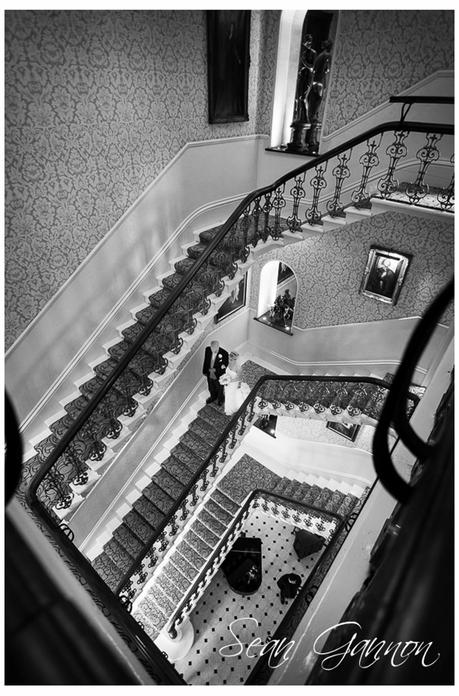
column 181, row 569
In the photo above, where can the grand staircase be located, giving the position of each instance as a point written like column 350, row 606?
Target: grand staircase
column 188, row 560
column 139, row 527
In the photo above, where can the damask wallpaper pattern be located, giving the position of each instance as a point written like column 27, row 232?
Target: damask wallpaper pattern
column 97, row 103
column 329, row 269
column 379, row 53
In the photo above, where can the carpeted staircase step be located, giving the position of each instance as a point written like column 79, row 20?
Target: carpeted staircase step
column 118, row 554
column 153, row 612
column 200, row 447
column 188, row 570
column 312, row 495
column 108, row 571
column 187, row 457
column 170, row 589
column 347, row 505
column 302, row 491
column 219, row 513
column 175, row 576
column 138, row 526
column 323, row 498
column 211, row 522
column 335, row 501
column 215, row 417
column 158, row 497
column 205, row 534
column 177, row 469
column 225, row 502
column 130, row 541
column 283, row 484
column 199, row 544
column 148, row 511
column 191, row 555
column 166, row 605
column 204, row 430
column 170, row 484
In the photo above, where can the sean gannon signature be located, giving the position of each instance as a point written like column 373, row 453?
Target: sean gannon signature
column 368, row 651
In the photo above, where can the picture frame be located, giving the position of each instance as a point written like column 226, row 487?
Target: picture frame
column 284, row 272
column 384, row 274
column 228, row 44
column 234, row 302
column 346, row 430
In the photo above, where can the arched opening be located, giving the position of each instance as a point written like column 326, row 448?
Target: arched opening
column 277, row 295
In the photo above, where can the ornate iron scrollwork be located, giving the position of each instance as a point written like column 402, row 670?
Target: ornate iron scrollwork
column 341, row 172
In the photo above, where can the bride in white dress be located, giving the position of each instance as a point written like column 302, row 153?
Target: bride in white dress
column 236, row 391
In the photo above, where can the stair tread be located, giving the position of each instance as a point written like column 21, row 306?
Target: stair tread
column 138, row 525
column 149, row 608
column 203, row 429
column 205, row 533
column 189, row 571
column 186, row 455
column 199, row 544
column 169, row 588
column 191, row 555
column 148, row 511
column 158, row 497
column 166, row 605
column 220, row 513
column 107, row 570
column 210, row 521
column 173, row 487
column 126, row 537
column 175, row 576
column 198, row 445
column 225, row 502
column 118, row 554
column 177, row 469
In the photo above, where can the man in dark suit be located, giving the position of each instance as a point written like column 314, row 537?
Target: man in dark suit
column 215, row 364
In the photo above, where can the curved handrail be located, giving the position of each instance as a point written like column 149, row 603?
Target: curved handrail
column 414, row 126
column 392, row 411
column 257, row 491
column 225, row 435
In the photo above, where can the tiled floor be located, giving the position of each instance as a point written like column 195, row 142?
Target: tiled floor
column 254, row 616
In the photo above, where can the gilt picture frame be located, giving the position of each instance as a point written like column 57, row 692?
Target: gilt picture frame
column 384, row 274
column 228, row 43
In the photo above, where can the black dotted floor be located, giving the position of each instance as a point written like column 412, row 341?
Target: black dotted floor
column 253, row 616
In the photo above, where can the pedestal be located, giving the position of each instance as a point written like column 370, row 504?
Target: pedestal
column 178, row 647
column 299, row 136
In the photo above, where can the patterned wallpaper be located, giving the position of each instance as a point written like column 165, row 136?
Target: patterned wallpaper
column 329, row 269
column 379, row 53
column 97, row 103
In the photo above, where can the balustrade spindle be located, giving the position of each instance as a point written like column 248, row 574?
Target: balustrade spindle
column 256, row 212
column 396, row 150
column 298, row 193
column 369, row 160
column 446, row 196
column 426, row 155
column 204, row 481
column 267, row 207
column 278, row 205
column 173, row 526
column 341, row 172
column 318, row 182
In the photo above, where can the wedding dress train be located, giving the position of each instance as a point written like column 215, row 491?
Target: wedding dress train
column 235, row 392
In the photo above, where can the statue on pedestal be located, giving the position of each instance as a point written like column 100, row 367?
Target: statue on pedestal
column 301, row 122
column 317, row 92
column 311, row 87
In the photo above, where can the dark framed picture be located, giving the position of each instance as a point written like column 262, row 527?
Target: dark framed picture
column 384, row 274
column 228, row 41
column 284, row 272
column 235, row 301
column 344, row 429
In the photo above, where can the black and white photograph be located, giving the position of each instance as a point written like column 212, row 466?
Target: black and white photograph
column 384, row 274
column 229, row 346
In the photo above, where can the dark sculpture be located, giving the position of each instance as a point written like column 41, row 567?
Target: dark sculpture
column 311, row 87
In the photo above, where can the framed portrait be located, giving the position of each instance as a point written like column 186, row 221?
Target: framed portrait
column 384, row 274
column 346, row 430
column 228, row 58
column 284, row 272
column 235, row 301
